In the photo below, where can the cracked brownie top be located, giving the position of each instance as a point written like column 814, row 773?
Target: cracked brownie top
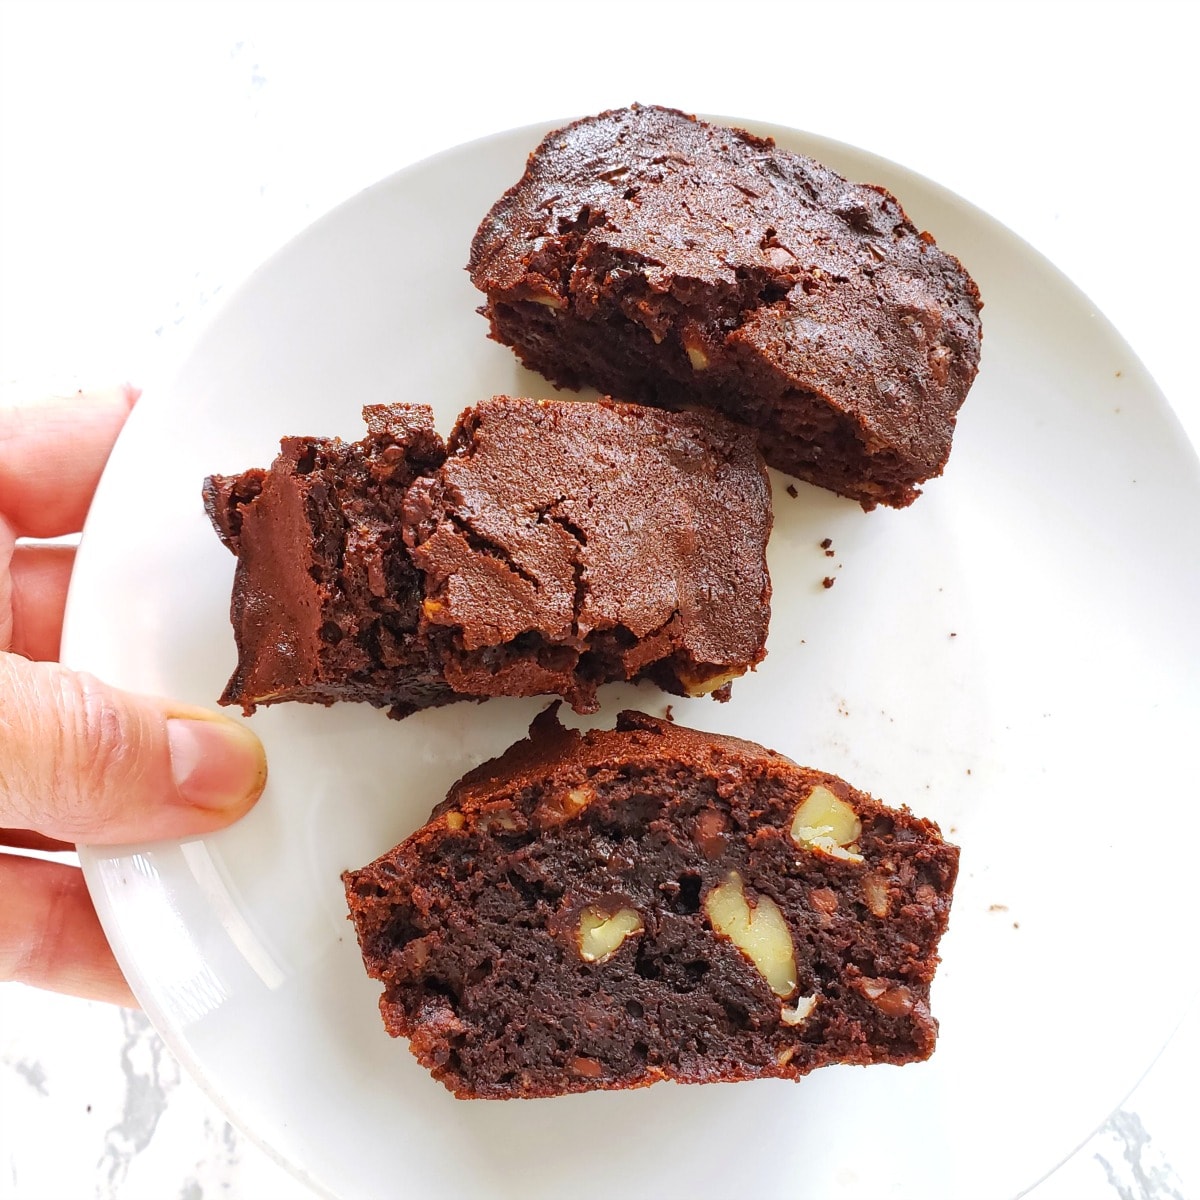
column 621, row 535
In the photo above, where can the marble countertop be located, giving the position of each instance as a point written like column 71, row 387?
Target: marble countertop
column 151, row 156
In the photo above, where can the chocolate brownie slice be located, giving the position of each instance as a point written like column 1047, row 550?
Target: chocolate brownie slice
column 608, row 909
column 674, row 262
column 549, row 547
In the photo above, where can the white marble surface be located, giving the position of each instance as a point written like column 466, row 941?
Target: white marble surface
column 151, row 155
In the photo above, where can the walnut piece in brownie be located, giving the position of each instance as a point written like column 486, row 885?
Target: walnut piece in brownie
column 673, row 262
column 605, row 910
column 549, row 547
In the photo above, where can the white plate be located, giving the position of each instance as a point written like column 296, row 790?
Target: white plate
column 1015, row 655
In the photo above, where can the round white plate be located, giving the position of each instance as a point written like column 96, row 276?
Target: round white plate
column 1015, row 655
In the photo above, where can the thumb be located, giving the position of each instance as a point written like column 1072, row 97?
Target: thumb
column 85, row 762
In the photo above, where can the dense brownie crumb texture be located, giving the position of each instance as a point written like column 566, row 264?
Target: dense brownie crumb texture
column 609, row 909
column 673, row 262
column 547, row 548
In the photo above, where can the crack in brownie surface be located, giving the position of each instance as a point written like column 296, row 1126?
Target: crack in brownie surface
column 607, row 909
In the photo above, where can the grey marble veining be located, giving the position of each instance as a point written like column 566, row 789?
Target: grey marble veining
column 1140, row 1172
column 33, row 1074
column 151, row 1074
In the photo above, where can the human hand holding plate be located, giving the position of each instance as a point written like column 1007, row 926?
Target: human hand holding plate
column 80, row 760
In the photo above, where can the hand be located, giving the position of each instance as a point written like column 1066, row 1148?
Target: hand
column 81, row 761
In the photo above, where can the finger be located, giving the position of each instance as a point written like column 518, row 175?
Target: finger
column 39, row 578
column 84, row 762
column 51, row 456
column 8, row 546
column 25, row 839
column 50, row 936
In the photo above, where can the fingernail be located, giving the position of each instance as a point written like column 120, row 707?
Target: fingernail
column 216, row 764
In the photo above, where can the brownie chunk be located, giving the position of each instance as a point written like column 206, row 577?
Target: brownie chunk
column 326, row 601
column 673, row 262
column 549, row 547
column 608, row 909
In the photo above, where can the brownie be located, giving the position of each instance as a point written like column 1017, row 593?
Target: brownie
column 678, row 263
column 605, row 910
column 326, row 601
column 547, row 548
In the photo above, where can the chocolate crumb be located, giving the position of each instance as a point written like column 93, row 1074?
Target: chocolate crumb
column 826, row 543
column 827, row 582
column 791, row 491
